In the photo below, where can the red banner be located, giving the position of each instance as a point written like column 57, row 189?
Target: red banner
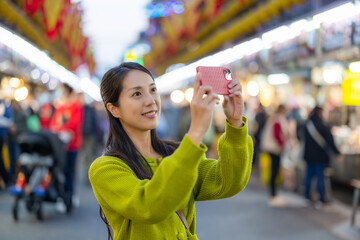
column 31, row 6
column 54, row 12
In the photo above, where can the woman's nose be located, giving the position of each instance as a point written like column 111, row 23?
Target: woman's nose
column 150, row 99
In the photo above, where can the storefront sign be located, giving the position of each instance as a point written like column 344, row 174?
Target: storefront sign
column 301, row 46
column 336, row 35
column 355, row 31
column 351, row 88
column 285, row 52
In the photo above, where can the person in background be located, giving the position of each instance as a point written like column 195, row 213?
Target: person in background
column 19, row 126
column 147, row 187
column 31, row 108
column 102, row 128
column 296, row 123
column 260, row 121
column 318, row 143
column 273, row 141
column 89, row 135
column 45, row 114
column 6, row 122
column 67, row 123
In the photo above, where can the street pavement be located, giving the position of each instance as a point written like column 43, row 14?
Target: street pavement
column 245, row 216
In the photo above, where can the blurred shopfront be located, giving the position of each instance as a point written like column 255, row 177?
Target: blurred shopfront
column 300, row 63
column 41, row 46
column 317, row 66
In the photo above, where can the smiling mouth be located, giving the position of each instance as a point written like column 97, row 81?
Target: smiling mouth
column 150, row 114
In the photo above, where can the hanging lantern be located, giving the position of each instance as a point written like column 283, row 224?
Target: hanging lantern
column 54, row 12
column 31, row 6
column 70, row 19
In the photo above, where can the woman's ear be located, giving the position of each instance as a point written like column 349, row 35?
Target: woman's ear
column 113, row 110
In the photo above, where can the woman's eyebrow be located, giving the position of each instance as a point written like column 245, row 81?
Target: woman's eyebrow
column 134, row 88
column 138, row 87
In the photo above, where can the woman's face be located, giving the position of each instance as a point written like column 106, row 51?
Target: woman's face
column 139, row 102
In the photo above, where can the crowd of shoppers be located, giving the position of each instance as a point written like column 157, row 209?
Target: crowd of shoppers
column 290, row 138
column 77, row 123
column 286, row 135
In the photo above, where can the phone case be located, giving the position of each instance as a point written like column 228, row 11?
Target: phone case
column 216, row 77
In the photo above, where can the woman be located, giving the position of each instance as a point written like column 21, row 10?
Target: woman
column 318, row 143
column 141, row 181
column 67, row 123
column 273, row 142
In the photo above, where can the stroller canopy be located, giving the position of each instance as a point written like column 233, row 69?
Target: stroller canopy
column 43, row 143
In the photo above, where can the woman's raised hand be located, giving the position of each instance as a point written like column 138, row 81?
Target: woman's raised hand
column 233, row 104
column 201, row 108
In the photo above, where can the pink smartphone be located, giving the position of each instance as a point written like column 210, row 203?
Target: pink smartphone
column 216, row 77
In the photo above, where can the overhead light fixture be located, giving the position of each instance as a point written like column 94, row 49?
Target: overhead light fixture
column 339, row 13
column 177, row 78
column 278, row 79
column 42, row 61
column 90, row 88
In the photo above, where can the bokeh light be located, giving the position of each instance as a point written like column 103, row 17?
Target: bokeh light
column 177, row 96
column 189, row 94
column 21, row 93
column 252, row 88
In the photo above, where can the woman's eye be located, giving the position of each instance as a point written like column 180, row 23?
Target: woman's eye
column 154, row 89
column 135, row 94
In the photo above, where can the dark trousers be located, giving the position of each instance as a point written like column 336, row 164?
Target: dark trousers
column 3, row 172
column 70, row 171
column 14, row 152
column 275, row 167
column 315, row 170
column 256, row 154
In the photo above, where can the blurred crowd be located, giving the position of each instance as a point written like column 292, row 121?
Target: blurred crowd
column 79, row 123
column 293, row 147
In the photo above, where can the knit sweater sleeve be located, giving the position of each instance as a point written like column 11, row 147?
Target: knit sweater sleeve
column 117, row 188
column 229, row 174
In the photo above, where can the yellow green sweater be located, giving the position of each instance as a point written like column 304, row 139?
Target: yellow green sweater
column 146, row 209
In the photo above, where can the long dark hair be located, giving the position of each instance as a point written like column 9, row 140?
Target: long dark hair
column 119, row 143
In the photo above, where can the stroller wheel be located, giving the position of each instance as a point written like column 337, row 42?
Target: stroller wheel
column 38, row 210
column 15, row 209
column 29, row 203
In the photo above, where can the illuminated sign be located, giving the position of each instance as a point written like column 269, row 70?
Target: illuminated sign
column 351, row 88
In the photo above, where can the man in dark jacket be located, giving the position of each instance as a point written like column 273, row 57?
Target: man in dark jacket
column 319, row 146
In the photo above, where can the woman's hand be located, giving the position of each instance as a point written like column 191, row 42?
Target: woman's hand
column 233, row 104
column 201, row 108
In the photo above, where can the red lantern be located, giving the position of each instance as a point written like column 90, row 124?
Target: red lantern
column 31, row 6
column 54, row 12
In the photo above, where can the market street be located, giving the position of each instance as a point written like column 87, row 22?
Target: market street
column 245, row 216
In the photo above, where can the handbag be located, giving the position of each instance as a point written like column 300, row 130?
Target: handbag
column 319, row 139
column 111, row 232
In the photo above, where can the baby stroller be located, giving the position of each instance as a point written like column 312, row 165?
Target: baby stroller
column 41, row 176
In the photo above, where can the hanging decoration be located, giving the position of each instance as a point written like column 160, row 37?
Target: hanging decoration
column 31, row 6
column 62, row 21
column 71, row 19
column 172, row 29
column 54, row 12
column 89, row 59
column 212, row 8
